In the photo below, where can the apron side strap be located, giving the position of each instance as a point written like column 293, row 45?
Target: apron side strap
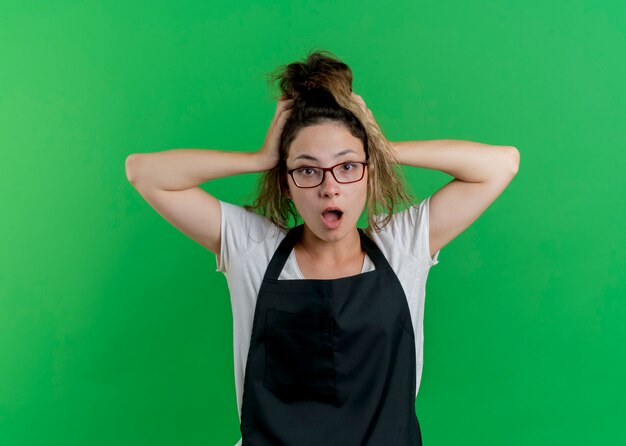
column 373, row 251
column 282, row 252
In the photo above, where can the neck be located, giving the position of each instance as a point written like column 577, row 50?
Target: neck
column 333, row 251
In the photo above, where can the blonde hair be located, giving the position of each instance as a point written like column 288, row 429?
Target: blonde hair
column 322, row 86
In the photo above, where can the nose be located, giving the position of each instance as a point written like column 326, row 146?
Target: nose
column 329, row 185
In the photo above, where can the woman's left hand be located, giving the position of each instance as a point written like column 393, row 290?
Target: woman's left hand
column 368, row 113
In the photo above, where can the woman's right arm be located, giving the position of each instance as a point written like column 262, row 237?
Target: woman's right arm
column 181, row 169
column 169, row 181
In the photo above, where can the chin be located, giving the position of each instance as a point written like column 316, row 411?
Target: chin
column 322, row 232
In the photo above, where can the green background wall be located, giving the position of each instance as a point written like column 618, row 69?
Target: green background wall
column 115, row 327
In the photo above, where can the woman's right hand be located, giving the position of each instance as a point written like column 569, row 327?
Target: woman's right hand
column 268, row 153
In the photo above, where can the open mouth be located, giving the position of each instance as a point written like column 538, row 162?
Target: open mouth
column 332, row 218
column 332, row 215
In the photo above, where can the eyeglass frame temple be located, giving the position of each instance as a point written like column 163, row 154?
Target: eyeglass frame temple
column 326, row 169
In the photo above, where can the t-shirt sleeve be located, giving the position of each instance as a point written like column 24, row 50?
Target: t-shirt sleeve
column 410, row 229
column 240, row 230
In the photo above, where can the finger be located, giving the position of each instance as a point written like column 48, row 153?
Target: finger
column 286, row 105
column 281, row 114
column 284, row 113
column 359, row 100
column 282, row 105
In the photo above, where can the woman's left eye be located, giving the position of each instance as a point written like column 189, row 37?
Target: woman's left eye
column 348, row 165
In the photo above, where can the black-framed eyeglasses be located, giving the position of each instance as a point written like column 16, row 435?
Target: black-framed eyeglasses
column 309, row 176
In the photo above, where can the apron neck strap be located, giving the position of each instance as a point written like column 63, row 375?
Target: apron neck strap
column 294, row 234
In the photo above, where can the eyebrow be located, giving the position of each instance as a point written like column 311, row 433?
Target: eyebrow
column 309, row 157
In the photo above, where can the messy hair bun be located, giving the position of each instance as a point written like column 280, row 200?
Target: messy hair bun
column 320, row 70
column 321, row 86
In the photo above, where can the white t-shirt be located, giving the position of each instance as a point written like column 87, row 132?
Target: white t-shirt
column 249, row 241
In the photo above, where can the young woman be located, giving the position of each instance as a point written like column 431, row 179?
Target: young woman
column 328, row 317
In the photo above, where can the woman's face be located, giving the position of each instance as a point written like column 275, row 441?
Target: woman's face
column 320, row 145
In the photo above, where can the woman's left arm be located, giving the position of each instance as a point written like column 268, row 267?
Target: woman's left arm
column 481, row 173
column 468, row 161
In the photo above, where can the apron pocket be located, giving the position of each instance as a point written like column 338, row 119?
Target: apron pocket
column 299, row 355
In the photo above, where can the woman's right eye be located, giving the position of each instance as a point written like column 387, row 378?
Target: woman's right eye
column 306, row 171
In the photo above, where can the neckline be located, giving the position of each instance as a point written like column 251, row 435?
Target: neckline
column 286, row 246
column 299, row 271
